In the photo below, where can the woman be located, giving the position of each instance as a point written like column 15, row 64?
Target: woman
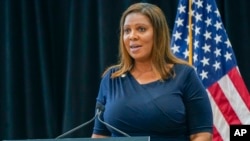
column 150, row 92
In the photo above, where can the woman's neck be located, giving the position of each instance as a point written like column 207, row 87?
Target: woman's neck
column 142, row 67
column 144, row 73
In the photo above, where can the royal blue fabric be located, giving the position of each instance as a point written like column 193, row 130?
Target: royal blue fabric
column 167, row 110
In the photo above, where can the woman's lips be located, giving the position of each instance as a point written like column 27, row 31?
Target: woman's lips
column 135, row 48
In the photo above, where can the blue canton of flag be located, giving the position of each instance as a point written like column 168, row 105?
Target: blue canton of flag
column 212, row 52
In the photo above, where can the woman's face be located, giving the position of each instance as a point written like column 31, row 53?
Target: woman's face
column 138, row 36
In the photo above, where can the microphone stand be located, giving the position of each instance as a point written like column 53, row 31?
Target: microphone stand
column 78, row 127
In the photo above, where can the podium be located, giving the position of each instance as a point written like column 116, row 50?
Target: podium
column 144, row 138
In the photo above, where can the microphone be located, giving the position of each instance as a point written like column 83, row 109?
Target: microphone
column 102, row 108
column 80, row 126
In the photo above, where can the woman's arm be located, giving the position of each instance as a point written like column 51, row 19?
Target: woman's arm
column 98, row 136
column 203, row 136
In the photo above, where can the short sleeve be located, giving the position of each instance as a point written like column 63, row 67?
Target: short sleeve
column 100, row 128
column 198, row 107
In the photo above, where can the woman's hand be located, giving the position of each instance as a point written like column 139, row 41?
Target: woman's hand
column 203, row 136
column 98, row 136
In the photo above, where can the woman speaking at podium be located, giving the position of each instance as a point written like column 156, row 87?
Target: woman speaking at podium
column 150, row 92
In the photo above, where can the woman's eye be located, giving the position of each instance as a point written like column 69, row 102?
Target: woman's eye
column 126, row 30
column 142, row 29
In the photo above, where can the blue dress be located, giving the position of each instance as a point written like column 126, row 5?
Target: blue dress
column 168, row 110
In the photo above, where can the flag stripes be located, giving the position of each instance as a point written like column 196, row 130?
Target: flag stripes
column 221, row 126
column 240, row 86
column 223, row 104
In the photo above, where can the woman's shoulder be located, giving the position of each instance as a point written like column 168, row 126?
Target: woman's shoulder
column 181, row 67
column 184, row 70
column 108, row 72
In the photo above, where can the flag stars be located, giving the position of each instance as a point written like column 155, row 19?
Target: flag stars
column 218, row 25
column 182, row 9
column 197, row 30
column 175, row 48
column 185, row 53
column 203, row 74
column 204, row 61
column 195, row 57
column 228, row 43
column 216, row 65
column 208, row 8
column 217, row 38
column 217, row 12
column 206, row 48
column 228, row 56
column 198, row 17
column 217, row 52
column 199, row 3
column 192, row 25
column 207, row 35
column 187, row 40
column 177, row 35
column 191, row 12
column 212, row 53
column 179, row 22
column 208, row 21
column 196, row 44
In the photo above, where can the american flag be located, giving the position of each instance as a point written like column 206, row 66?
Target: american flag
column 213, row 58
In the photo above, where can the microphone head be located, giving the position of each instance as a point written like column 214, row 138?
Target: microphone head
column 100, row 107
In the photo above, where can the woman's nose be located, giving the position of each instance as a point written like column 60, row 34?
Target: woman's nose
column 133, row 35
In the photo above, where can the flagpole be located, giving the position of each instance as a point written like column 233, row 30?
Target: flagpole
column 190, row 33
